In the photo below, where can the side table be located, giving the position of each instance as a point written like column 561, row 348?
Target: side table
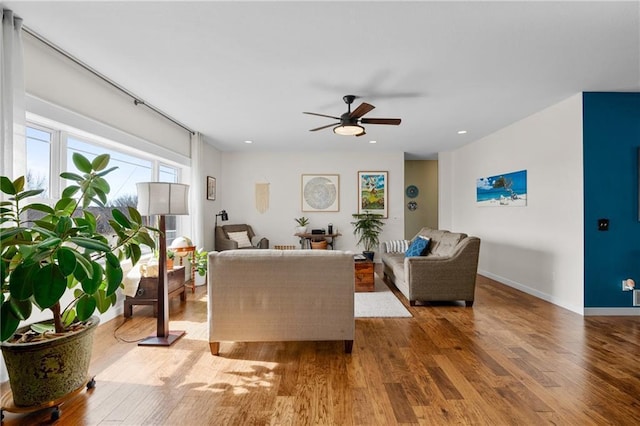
column 147, row 293
column 364, row 275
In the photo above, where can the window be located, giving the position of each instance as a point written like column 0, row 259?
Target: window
column 38, row 159
column 50, row 150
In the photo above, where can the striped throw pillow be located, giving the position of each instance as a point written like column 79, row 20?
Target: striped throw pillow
column 396, row 246
column 241, row 238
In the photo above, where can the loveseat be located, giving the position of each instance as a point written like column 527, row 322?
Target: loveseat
column 446, row 272
column 225, row 242
column 280, row 295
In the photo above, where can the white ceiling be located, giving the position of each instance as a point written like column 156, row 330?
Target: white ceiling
column 239, row 71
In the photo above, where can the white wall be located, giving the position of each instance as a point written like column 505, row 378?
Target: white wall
column 211, row 167
column 538, row 248
column 241, row 171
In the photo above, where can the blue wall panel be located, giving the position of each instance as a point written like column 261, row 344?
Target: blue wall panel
column 611, row 139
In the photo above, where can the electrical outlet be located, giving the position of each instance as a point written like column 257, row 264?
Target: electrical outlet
column 636, row 297
column 603, row 224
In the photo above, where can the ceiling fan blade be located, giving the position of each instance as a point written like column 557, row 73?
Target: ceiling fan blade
column 392, row 121
column 324, row 127
column 362, row 109
column 322, row 115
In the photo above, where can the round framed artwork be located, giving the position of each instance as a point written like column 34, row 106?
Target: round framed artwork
column 412, row 205
column 412, row 191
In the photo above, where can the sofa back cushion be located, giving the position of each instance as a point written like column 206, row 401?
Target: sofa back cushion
column 442, row 241
column 447, row 243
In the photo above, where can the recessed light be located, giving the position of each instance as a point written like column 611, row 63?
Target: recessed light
column 462, row 132
column 248, row 141
column 373, row 141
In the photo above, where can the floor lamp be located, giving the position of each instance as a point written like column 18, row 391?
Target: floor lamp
column 162, row 198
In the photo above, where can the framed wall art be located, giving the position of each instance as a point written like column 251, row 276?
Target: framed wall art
column 509, row 189
column 211, row 188
column 373, row 193
column 320, row 193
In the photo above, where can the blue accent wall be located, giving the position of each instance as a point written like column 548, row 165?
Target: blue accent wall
column 611, row 139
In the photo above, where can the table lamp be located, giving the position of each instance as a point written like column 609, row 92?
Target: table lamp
column 162, row 198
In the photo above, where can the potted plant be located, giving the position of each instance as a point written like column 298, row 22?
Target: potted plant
column 200, row 263
column 302, row 224
column 60, row 262
column 171, row 255
column 367, row 228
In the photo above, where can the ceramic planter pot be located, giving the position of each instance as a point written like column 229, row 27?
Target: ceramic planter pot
column 40, row 372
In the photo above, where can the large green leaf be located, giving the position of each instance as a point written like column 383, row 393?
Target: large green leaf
column 81, row 162
column 6, row 186
column 39, row 207
column 85, row 269
column 70, row 191
column 66, row 260
column 114, row 278
column 64, row 225
column 49, row 286
column 90, row 244
column 65, row 206
column 135, row 216
column 20, row 309
column 106, row 172
column 101, row 184
column 103, row 302
column 48, row 243
column 100, row 162
column 136, row 253
column 29, row 193
column 71, row 176
column 22, row 279
column 8, row 322
column 85, row 307
column 120, row 217
column 146, row 239
column 91, row 284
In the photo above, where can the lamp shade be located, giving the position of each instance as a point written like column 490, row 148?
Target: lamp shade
column 163, row 198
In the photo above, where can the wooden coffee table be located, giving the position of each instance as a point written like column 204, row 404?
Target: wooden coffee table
column 364, row 275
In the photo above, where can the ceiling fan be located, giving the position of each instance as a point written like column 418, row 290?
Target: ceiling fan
column 349, row 124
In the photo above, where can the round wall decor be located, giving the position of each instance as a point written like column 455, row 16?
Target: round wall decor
column 412, row 191
column 412, row 205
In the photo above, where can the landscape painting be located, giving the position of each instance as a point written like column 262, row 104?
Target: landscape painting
column 373, row 194
column 509, row 189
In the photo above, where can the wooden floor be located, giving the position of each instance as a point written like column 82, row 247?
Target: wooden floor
column 512, row 359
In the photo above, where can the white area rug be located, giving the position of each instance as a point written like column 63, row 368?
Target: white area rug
column 379, row 303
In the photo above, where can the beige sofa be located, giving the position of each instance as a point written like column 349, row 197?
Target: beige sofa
column 280, row 295
column 446, row 273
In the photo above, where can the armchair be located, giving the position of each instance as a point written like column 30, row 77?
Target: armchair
column 225, row 242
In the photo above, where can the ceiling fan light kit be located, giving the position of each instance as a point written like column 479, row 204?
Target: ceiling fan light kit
column 348, row 125
column 349, row 130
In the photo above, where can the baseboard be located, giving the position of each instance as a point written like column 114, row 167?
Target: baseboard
column 614, row 312
column 532, row 291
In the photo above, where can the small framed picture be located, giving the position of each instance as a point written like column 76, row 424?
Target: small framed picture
column 211, row 188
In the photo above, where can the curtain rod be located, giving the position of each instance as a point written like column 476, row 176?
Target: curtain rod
column 136, row 99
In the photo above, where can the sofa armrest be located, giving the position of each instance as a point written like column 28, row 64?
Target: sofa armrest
column 443, row 277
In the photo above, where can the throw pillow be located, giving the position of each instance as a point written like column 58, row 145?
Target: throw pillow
column 241, row 238
column 396, row 246
column 418, row 247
